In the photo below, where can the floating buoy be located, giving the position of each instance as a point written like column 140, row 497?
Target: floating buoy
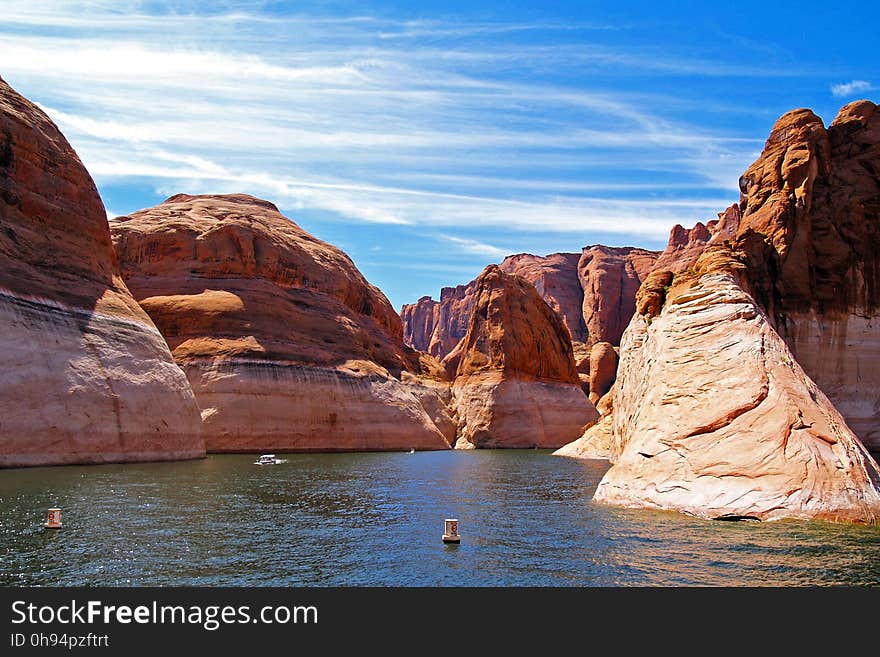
column 54, row 519
column 450, row 531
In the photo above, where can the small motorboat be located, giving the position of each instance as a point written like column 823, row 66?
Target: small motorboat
column 267, row 459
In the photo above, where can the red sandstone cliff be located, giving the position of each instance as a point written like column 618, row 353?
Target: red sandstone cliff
column 593, row 292
column 286, row 345
column 516, row 384
column 811, row 235
column 610, row 278
column 717, row 411
column 87, row 378
column 419, row 320
column 555, row 277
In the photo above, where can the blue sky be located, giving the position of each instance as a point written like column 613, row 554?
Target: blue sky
column 430, row 139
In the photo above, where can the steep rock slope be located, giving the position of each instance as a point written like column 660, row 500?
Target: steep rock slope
column 516, row 384
column 87, row 378
column 715, row 418
column 286, row 345
column 716, row 412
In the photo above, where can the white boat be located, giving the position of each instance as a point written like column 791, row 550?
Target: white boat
column 266, row 459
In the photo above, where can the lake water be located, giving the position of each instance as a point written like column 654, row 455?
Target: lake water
column 376, row 519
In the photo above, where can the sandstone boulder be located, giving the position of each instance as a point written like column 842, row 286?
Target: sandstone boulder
column 603, row 369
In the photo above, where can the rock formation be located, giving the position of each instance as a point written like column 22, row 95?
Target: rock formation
column 685, row 246
column 809, row 222
column 453, row 314
column 811, row 231
column 714, row 417
column 610, row 278
column 286, row 345
column 87, row 378
column 419, row 320
column 715, row 411
column 555, row 277
column 603, row 369
column 593, row 292
column 516, row 383
column 597, row 442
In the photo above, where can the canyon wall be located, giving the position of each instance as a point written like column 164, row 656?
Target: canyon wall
column 593, row 292
column 286, row 345
column 87, row 377
column 748, row 335
column 714, row 417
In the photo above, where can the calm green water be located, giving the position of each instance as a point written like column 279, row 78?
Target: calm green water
column 376, row 519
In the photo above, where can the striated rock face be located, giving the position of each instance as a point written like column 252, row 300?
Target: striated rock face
column 419, row 320
column 714, row 417
column 555, row 277
column 610, row 278
column 87, row 378
column 516, row 384
column 811, row 234
column 719, row 408
column 286, row 345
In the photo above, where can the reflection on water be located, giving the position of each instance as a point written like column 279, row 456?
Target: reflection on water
column 376, row 519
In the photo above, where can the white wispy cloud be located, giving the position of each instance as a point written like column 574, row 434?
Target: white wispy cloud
column 850, row 88
column 366, row 118
column 475, row 247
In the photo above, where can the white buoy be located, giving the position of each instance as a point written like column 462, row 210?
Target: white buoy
column 450, row 531
column 54, row 520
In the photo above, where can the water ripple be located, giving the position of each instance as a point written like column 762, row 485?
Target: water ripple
column 376, row 519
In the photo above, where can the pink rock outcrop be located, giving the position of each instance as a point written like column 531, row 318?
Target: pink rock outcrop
column 286, row 345
column 516, row 384
column 87, row 378
column 603, row 369
column 714, row 417
column 720, row 407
